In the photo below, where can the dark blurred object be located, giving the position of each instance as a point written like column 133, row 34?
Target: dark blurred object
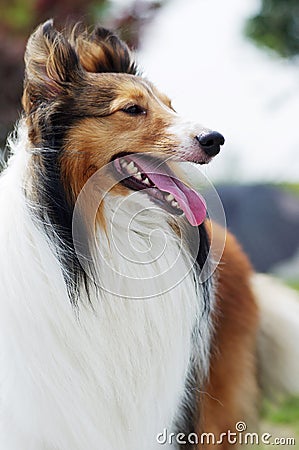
column 63, row 11
column 18, row 18
column 265, row 219
column 276, row 27
column 132, row 22
column 11, row 79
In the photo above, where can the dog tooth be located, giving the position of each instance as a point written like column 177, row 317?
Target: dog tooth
column 169, row 197
column 174, row 204
column 138, row 176
column 132, row 169
column 146, row 181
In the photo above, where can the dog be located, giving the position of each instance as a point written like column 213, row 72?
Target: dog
column 115, row 328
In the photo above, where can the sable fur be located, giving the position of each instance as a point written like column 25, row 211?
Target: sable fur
column 101, row 364
column 81, row 367
column 231, row 393
column 77, row 124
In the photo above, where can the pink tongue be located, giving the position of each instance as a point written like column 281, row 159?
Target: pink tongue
column 189, row 200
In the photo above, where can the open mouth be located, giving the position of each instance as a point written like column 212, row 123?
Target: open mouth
column 144, row 172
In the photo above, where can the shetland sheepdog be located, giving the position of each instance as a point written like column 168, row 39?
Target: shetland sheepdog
column 114, row 326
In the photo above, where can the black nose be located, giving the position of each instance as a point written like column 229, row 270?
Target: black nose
column 210, row 142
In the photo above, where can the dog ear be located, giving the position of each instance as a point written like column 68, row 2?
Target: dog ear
column 51, row 64
column 102, row 51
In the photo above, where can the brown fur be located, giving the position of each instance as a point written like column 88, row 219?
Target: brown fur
column 59, row 80
column 51, row 66
column 102, row 51
column 231, row 393
column 101, row 139
column 87, row 81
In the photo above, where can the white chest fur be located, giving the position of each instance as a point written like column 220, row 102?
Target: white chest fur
column 108, row 378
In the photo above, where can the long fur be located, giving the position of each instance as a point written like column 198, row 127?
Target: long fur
column 278, row 336
column 81, row 366
column 111, row 375
column 88, row 359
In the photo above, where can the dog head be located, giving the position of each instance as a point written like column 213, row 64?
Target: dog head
column 85, row 101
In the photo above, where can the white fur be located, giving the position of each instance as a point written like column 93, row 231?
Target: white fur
column 279, row 335
column 106, row 378
column 188, row 149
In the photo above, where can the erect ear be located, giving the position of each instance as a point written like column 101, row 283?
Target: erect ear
column 51, row 64
column 103, row 51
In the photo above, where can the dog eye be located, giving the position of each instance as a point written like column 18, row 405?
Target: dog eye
column 134, row 110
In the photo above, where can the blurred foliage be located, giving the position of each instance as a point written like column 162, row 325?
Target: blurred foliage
column 285, row 412
column 295, row 285
column 16, row 14
column 276, row 27
column 280, row 419
column 293, row 188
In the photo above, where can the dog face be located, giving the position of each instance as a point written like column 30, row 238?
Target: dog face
column 85, row 100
